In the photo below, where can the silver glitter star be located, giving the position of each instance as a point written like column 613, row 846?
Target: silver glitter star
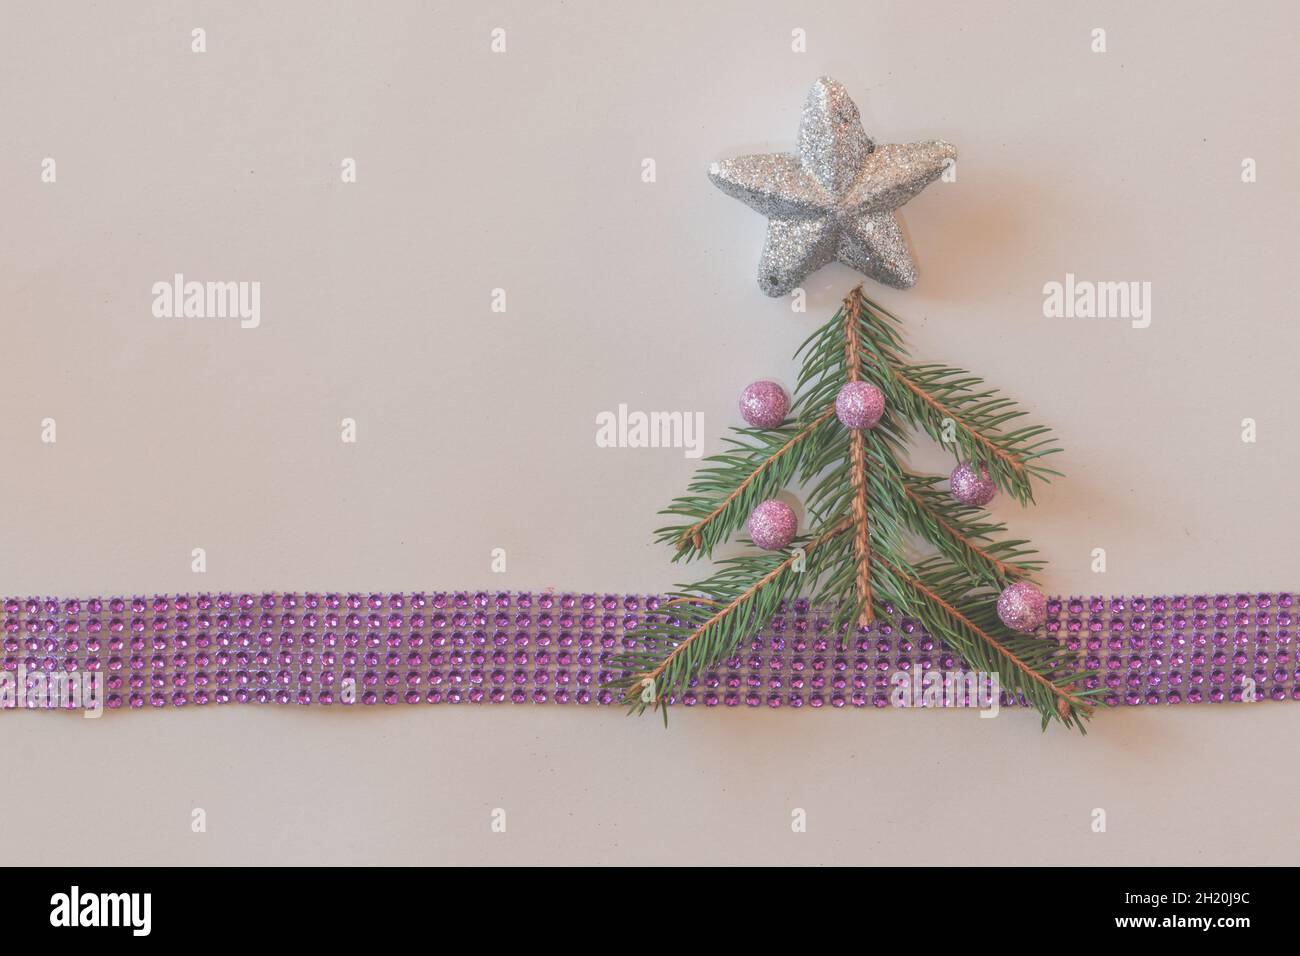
column 835, row 198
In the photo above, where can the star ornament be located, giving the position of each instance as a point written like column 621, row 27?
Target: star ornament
column 835, row 198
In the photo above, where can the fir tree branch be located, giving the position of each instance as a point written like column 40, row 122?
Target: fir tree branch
column 962, row 534
column 1033, row 661
column 693, row 535
column 944, row 411
column 722, row 630
column 824, row 370
column 933, row 395
column 960, row 618
column 831, row 501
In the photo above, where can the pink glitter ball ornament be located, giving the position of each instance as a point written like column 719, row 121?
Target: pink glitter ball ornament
column 859, row 405
column 971, row 485
column 764, row 404
column 1022, row 607
column 772, row 525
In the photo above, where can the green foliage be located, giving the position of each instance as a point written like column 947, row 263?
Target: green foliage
column 952, row 593
column 757, row 464
column 939, row 399
column 965, row 535
column 750, row 587
column 938, row 593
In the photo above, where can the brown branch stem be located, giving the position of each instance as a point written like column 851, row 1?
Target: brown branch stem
column 852, row 342
column 858, row 462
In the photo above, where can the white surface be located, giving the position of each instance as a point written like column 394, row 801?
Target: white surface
column 522, row 171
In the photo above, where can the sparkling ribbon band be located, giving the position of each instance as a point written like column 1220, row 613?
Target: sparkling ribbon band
column 463, row 647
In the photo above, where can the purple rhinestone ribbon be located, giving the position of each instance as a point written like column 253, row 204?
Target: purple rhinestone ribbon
column 497, row 647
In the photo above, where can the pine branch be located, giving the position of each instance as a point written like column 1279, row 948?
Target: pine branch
column 722, row 504
column 934, row 396
column 963, row 534
column 939, row 595
column 824, row 370
column 938, row 398
column 741, row 605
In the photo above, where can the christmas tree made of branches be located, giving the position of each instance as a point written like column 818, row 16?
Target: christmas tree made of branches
column 881, row 539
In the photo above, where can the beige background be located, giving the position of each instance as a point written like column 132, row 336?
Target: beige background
column 521, row 171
